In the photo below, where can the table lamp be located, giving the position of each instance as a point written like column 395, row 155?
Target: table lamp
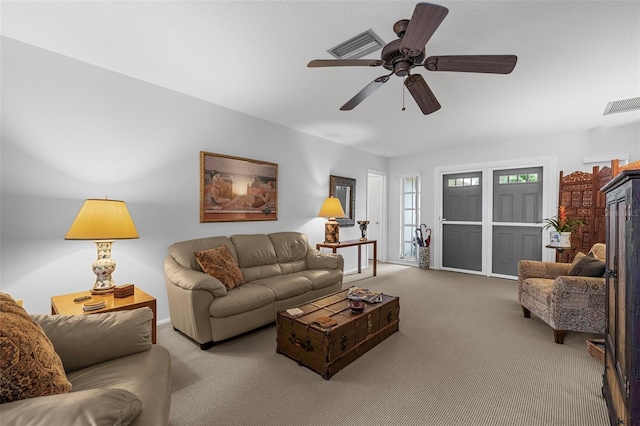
column 331, row 208
column 103, row 221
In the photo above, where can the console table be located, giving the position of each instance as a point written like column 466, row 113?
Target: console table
column 354, row 243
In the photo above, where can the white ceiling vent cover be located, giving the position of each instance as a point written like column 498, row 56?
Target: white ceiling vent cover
column 357, row 46
column 624, row 105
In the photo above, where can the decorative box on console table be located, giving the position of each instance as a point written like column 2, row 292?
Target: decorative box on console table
column 124, row 290
column 327, row 335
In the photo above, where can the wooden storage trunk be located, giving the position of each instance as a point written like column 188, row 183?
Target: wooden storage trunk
column 327, row 350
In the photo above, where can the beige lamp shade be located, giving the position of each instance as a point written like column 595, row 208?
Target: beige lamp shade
column 102, row 220
column 331, row 208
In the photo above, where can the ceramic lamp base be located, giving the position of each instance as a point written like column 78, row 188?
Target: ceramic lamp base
column 332, row 231
column 103, row 267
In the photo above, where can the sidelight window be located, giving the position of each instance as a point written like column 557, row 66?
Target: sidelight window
column 410, row 216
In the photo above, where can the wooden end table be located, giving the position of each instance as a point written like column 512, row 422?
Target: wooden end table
column 354, row 243
column 64, row 305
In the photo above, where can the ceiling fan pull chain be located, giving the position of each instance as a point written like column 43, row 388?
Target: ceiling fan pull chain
column 403, row 80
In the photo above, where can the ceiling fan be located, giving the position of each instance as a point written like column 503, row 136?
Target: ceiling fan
column 408, row 52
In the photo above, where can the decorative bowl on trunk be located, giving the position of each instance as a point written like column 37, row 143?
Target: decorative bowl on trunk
column 357, row 305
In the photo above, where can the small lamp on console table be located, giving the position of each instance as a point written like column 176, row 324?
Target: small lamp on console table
column 103, row 221
column 331, row 208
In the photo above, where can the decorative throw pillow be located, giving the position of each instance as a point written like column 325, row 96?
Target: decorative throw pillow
column 588, row 266
column 220, row 264
column 579, row 256
column 29, row 365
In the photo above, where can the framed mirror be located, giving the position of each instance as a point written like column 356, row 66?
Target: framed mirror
column 344, row 189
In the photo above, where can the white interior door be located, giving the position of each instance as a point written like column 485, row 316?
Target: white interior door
column 376, row 194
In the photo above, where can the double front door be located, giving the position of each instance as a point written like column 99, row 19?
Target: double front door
column 488, row 226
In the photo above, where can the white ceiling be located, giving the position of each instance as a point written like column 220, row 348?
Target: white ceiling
column 251, row 56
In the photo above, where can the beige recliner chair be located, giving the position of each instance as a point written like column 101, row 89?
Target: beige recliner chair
column 565, row 302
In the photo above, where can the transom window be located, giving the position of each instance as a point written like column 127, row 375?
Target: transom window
column 471, row 181
column 521, row 178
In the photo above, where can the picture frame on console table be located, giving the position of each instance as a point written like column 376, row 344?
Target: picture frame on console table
column 234, row 189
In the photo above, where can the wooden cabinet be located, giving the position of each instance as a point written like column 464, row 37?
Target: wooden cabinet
column 622, row 344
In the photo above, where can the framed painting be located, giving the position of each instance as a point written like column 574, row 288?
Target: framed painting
column 237, row 189
column 344, row 189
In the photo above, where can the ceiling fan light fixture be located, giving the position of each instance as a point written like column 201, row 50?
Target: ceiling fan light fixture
column 358, row 46
column 623, row 105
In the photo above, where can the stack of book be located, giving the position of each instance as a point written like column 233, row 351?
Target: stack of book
column 94, row 306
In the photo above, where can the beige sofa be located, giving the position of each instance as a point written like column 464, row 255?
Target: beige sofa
column 114, row 374
column 279, row 271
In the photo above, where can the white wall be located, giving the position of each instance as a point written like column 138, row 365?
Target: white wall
column 568, row 149
column 72, row 131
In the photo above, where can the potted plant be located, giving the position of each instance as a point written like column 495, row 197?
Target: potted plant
column 562, row 228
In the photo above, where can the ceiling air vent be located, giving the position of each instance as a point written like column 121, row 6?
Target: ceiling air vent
column 357, row 46
column 624, row 105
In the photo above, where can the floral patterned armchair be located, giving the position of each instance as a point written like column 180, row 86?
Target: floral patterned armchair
column 565, row 301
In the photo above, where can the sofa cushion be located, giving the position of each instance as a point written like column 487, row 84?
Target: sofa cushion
column 539, row 289
column 321, row 278
column 29, row 364
column 241, row 299
column 289, row 246
column 219, row 263
column 88, row 407
column 588, row 266
column 254, row 250
column 183, row 252
column 256, row 256
column 85, row 340
column 291, row 251
column 286, row 286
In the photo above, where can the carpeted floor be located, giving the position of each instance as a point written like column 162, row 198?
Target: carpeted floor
column 464, row 355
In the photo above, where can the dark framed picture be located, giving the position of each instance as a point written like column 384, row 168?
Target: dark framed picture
column 344, row 189
column 237, row 189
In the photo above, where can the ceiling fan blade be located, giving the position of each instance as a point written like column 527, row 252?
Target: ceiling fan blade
column 345, row 63
column 364, row 93
column 425, row 21
column 492, row 64
column 422, row 94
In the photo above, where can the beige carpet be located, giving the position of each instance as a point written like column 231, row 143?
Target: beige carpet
column 464, row 356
